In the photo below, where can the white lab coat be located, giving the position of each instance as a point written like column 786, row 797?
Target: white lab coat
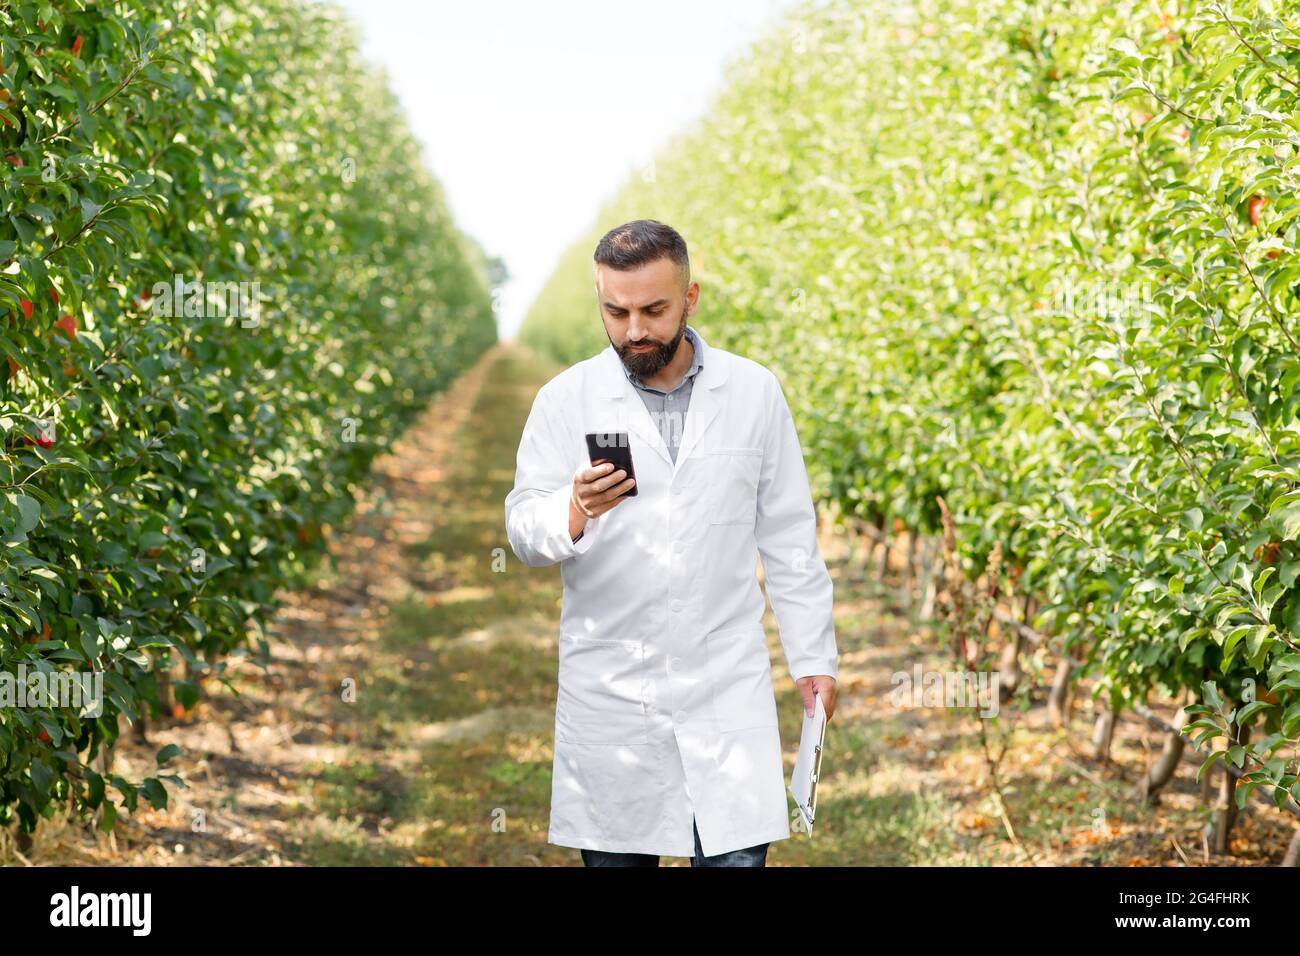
column 665, row 705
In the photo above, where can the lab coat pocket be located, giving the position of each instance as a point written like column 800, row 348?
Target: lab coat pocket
column 601, row 696
column 740, row 670
column 733, row 475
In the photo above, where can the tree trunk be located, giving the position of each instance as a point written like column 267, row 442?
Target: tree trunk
column 1292, row 857
column 929, row 574
column 859, row 550
column 909, row 562
column 1103, row 733
column 1207, row 784
column 1162, row 771
column 165, row 692
column 1059, row 700
column 105, row 757
column 1010, row 664
column 1226, row 810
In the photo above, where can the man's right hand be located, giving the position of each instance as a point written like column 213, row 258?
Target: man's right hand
column 596, row 489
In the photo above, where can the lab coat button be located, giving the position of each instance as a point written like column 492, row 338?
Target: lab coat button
column 680, row 716
column 676, row 663
column 679, row 547
column 676, row 606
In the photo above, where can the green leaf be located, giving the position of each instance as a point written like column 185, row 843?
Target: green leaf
column 155, row 793
column 29, row 512
column 1210, row 694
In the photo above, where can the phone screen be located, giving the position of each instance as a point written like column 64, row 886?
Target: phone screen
column 612, row 446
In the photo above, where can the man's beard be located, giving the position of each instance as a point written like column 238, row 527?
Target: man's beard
column 650, row 363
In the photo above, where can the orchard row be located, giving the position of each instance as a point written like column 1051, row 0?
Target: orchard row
column 1038, row 260
column 164, row 470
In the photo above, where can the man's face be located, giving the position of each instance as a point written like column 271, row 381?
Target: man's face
column 644, row 311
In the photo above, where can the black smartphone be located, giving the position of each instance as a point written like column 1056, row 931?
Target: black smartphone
column 612, row 446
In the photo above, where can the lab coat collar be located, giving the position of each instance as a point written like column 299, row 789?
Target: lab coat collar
column 704, row 406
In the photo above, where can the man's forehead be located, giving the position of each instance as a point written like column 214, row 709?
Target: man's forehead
column 643, row 286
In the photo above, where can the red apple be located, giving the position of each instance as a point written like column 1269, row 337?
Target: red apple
column 1256, row 206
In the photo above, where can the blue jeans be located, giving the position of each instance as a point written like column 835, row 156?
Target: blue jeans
column 749, row 856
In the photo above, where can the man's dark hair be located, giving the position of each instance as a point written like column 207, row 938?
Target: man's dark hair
column 640, row 241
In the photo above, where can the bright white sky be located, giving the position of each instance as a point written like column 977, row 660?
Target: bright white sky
column 532, row 113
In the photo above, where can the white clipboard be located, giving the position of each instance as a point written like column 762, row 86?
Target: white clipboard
column 808, row 763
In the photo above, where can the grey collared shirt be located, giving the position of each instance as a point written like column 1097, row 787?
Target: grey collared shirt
column 668, row 408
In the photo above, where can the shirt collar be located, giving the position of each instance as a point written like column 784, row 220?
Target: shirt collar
column 697, row 362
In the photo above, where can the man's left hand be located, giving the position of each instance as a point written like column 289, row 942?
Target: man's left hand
column 817, row 685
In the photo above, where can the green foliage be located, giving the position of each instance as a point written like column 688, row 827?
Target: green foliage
column 165, row 466
column 1040, row 259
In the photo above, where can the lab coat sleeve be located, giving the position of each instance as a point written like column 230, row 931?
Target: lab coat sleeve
column 798, row 584
column 537, row 508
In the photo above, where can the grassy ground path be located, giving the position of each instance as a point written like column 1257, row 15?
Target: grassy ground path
column 444, row 755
